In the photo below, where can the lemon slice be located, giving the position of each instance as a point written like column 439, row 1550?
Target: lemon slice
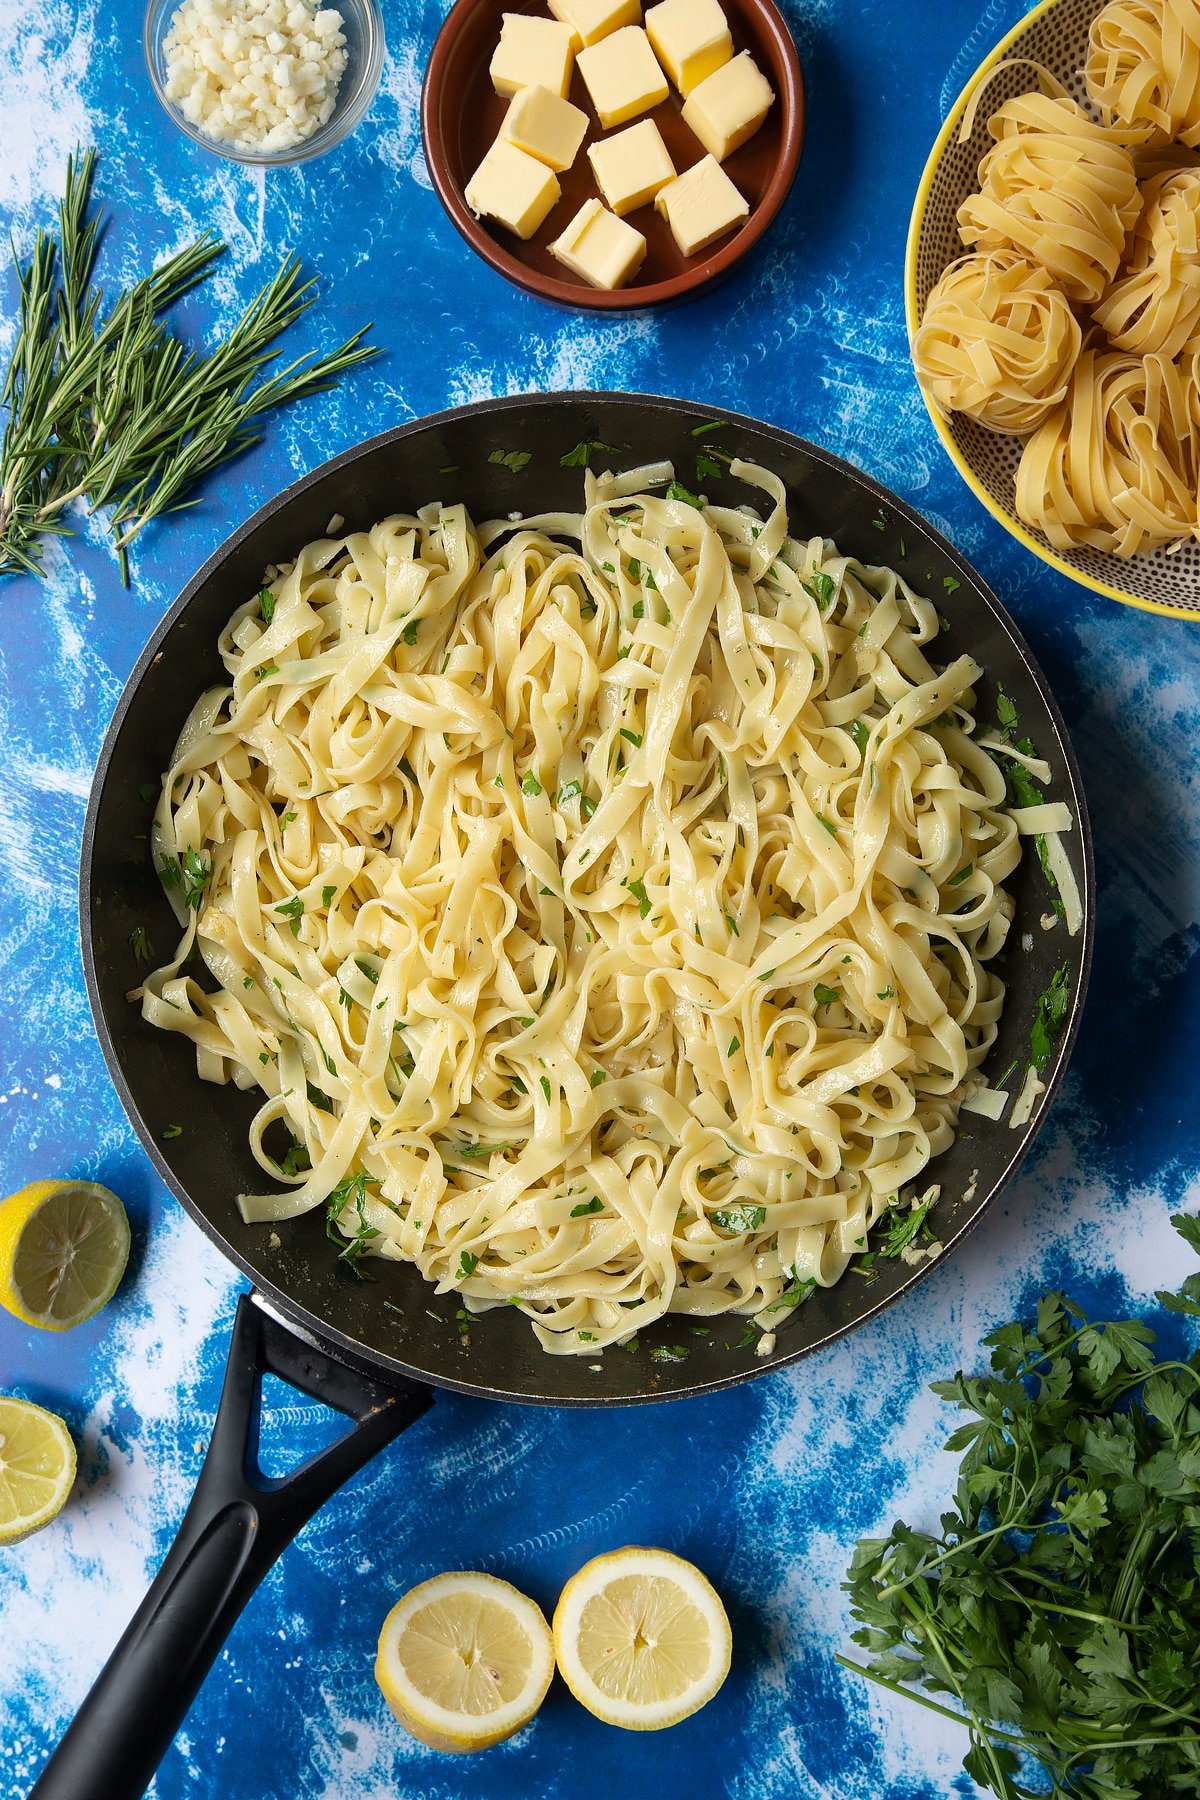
column 63, row 1249
column 37, row 1467
column 641, row 1638
column 464, row 1661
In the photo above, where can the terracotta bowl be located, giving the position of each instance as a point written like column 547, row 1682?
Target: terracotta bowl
column 461, row 116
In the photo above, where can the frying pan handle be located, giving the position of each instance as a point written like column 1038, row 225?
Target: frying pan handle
column 238, row 1523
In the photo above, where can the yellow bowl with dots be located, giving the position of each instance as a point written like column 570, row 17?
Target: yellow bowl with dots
column 1055, row 36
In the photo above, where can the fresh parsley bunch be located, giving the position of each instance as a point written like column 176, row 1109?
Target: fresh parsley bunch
column 1059, row 1607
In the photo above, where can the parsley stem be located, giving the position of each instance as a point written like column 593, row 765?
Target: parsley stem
column 951, row 1550
column 1116, row 1739
column 1124, row 1597
column 1069, row 1612
column 912, row 1693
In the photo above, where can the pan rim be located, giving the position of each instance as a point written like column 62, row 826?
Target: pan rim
column 298, row 1317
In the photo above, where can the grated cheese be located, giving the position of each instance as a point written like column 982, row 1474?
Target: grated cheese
column 255, row 74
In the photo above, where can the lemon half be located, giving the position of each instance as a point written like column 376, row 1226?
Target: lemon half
column 37, row 1467
column 63, row 1250
column 464, row 1661
column 641, row 1638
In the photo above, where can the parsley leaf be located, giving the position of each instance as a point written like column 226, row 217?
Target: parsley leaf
column 905, row 1228
column 190, row 874
column 581, row 456
column 530, row 784
column 515, row 460
column 1007, row 716
column 351, row 1192
column 293, row 911
column 677, row 491
column 266, row 605
column 1051, row 1015
column 296, row 1160
column 821, row 586
column 795, row 1294
column 740, row 1218
column 826, row 996
column 638, row 890
column 594, row 1205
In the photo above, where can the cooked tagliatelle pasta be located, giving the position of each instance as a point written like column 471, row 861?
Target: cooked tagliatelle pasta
column 603, row 904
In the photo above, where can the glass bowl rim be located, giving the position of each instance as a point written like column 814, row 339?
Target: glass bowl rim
column 349, row 106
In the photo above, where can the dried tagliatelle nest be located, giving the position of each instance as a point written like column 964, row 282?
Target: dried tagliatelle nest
column 1115, row 464
column 1056, row 188
column 998, row 341
column 1155, row 303
column 1075, row 323
column 1143, row 70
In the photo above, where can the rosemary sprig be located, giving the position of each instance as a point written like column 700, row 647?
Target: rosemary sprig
column 110, row 407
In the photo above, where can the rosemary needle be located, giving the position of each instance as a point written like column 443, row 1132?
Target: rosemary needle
column 108, row 407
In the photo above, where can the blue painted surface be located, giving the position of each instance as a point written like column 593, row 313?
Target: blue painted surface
column 766, row 1486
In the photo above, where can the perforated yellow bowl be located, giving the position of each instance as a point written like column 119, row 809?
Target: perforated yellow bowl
column 1055, row 35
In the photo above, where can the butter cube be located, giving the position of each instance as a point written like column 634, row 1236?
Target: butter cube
column 631, row 167
column 591, row 20
column 691, row 40
column 622, row 76
column 700, row 206
column 514, row 189
column 545, row 126
column 729, row 106
column 532, row 53
column 600, row 248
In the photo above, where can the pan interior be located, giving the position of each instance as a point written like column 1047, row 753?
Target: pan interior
column 500, row 458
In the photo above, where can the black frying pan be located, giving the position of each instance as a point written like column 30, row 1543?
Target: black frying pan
column 309, row 1320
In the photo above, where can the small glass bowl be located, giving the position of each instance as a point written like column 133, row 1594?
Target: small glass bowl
column 362, row 27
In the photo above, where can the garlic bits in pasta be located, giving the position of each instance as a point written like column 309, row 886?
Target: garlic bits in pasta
column 601, row 907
